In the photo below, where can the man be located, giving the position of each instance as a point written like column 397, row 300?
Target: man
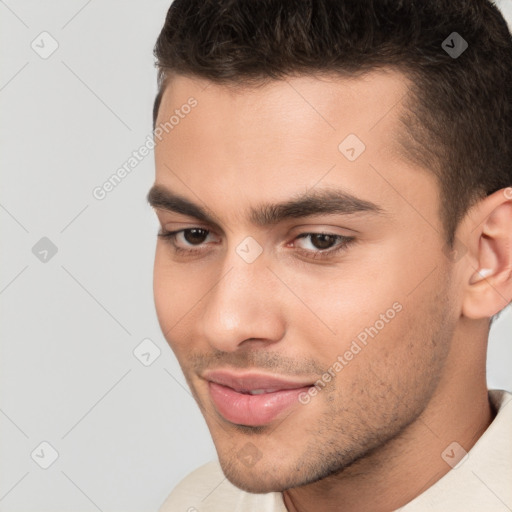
column 333, row 185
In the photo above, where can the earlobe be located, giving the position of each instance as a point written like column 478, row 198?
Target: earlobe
column 489, row 288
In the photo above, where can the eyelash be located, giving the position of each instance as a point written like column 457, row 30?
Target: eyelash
column 343, row 244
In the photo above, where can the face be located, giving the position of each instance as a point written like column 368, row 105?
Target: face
column 302, row 284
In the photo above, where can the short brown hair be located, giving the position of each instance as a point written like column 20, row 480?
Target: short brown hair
column 459, row 112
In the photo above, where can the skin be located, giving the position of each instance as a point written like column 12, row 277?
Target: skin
column 420, row 383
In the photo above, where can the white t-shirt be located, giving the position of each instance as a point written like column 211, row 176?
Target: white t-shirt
column 481, row 482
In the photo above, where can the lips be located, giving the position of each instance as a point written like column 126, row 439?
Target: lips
column 252, row 399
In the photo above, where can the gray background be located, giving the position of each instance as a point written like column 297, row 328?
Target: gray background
column 125, row 433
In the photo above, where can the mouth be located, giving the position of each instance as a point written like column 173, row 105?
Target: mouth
column 253, row 399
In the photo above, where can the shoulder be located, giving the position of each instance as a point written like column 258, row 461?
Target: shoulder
column 193, row 488
column 206, row 489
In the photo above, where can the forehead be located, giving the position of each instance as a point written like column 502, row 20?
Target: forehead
column 301, row 105
column 286, row 136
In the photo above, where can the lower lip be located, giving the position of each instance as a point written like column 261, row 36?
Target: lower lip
column 252, row 410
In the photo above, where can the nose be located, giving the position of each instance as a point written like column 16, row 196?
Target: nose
column 242, row 308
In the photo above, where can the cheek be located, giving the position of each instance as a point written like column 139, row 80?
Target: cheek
column 337, row 305
column 390, row 375
column 405, row 348
column 367, row 317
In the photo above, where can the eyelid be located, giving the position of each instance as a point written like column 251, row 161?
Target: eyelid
column 327, row 229
column 184, row 224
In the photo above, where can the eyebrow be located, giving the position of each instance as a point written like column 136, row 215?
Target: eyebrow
column 313, row 202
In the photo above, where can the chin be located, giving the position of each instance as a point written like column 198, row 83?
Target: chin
column 255, row 482
column 266, row 476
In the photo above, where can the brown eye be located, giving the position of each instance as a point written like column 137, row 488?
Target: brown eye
column 322, row 241
column 321, row 245
column 195, row 235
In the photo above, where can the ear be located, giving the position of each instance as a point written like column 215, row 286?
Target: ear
column 488, row 235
